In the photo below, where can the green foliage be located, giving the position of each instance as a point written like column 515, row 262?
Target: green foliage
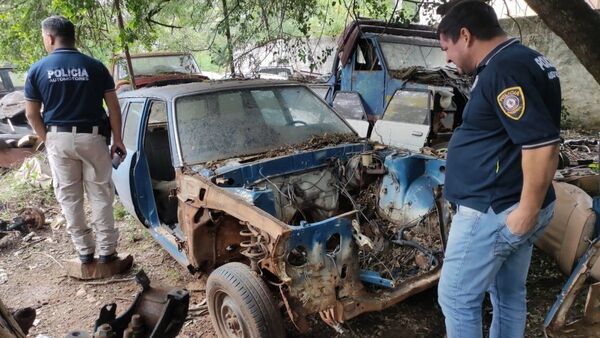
column 283, row 27
column 119, row 212
column 15, row 195
column 565, row 116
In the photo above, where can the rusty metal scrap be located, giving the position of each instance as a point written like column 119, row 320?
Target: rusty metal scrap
column 579, row 149
column 556, row 324
column 315, row 142
column 28, row 219
column 400, row 262
column 391, row 260
column 434, row 76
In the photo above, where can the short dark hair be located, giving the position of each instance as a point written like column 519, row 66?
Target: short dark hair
column 476, row 16
column 60, row 27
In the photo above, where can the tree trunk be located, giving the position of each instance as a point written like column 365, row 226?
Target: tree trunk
column 577, row 24
column 124, row 44
column 228, row 36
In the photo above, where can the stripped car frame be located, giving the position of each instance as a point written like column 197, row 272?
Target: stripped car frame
column 333, row 224
column 324, row 222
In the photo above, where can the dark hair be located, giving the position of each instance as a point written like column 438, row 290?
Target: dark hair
column 476, row 16
column 60, row 27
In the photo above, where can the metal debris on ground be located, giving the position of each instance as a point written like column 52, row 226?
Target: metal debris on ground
column 154, row 313
column 400, row 252
column 28, row 219
column 16, row 137
column 198, row 310
column 22, row 225
column 58, row 222
column 579, row 149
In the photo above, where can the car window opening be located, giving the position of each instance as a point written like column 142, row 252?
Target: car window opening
column 160, row 164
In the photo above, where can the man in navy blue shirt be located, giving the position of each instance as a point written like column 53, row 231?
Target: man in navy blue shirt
column 76, row 129
column 500, row 165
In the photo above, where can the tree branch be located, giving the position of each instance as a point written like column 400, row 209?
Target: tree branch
column 150, row 20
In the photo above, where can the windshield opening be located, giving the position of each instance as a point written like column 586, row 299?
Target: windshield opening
column 152, row 65
column 235, row 123
column 400, row 55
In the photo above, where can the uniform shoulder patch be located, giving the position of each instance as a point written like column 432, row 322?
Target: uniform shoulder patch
column 512, row 102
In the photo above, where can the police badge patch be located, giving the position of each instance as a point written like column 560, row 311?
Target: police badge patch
column 512, row 102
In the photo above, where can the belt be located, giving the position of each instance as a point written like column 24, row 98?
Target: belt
column 74, row 129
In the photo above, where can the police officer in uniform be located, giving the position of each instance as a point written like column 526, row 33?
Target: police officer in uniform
column 501, row 162
column 75, row 127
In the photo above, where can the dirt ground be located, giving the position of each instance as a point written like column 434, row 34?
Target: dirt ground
column 36, row 279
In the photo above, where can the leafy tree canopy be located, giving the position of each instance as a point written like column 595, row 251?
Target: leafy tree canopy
column 197, row 26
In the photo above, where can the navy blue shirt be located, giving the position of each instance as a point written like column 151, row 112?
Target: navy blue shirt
column 514, row 104
column 71, row 86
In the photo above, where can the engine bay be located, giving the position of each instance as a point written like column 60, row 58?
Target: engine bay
column 393, row 199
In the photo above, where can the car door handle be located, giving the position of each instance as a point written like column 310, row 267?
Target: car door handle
column 417, row 133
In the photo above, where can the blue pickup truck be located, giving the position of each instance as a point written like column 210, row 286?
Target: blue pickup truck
column 392, row 84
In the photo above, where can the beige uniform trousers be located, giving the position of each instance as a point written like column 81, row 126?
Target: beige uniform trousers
column 82, row 161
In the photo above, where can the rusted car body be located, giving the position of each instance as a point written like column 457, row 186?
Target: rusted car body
column 156, row 69
column 392, row 83
column 325, row 223
column 265, row 173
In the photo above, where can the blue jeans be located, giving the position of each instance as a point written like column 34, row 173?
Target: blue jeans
column 482, row 255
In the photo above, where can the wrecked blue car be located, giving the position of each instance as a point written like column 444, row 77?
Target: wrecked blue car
column 262, row 185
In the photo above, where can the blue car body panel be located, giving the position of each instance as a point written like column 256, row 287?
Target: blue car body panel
column 244, row 175
column 408, row 189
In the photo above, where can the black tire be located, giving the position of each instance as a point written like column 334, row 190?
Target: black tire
column 241, row 305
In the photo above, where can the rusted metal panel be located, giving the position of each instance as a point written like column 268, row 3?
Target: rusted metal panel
column 327, row 269
column 592, row 305
column 556, row 324
column 13, row 157
column 210, row 219
column 213, row 197
column 368, row 303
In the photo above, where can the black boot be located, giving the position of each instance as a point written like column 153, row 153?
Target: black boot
column 103, row 259
column 87, row 258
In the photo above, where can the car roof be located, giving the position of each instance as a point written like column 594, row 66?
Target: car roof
column 172, row 91
column 151, row 54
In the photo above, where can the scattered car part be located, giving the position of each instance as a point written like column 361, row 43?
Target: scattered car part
column 6, row 82
column 12, row 108
column 17, row 324
column 154, row 313
column 555, row 324
column 28, row 219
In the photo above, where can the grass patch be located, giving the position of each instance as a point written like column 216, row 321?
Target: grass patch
column 119, row 212
column 16, row 195
column 174, row 274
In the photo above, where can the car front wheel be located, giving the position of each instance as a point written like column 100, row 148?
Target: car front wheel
column 241, row 305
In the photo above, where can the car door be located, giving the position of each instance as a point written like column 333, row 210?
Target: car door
column 131, row 116
column 368, row 77
column 406, row 121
